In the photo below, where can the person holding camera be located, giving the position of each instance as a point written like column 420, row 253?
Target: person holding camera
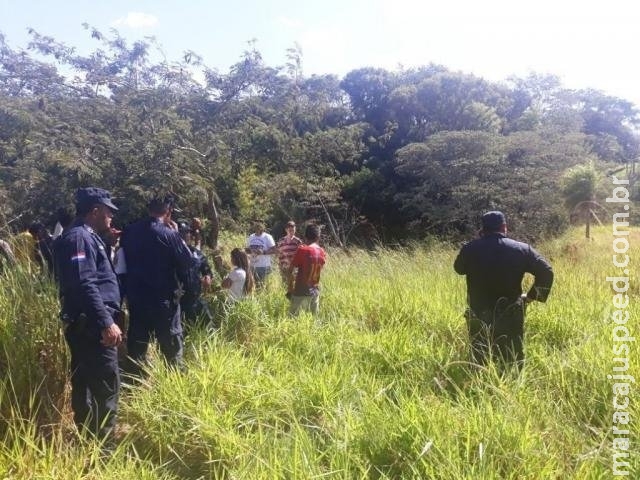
column 157, row 267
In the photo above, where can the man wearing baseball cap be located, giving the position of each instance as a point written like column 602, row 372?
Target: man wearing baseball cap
column 90, row 300
column 495, row 266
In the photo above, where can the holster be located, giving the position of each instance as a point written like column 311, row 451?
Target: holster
column 77, row 323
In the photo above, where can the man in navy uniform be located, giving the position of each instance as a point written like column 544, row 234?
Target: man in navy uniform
column 495, row 266
column 157, row 265
column 90, row 300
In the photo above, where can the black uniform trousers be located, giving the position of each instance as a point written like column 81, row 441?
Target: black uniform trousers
column 161, row 321
column 95, row 382
column 497, row 333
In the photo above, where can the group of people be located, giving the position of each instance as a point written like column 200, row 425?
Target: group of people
column 300, row 263
column 34, row 245
column 161, row 272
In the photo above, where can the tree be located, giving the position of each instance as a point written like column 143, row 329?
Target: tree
column 405, row 152
column 580, row 184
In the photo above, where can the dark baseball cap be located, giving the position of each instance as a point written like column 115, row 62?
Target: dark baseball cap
column 492, row 221
column 87, row 197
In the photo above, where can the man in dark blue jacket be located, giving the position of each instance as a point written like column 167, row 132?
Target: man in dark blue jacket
column 157, row 266
column 495, row 266
column 194, row 307
column 90, row 300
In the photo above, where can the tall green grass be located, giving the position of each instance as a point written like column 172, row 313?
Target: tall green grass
column 377, row 386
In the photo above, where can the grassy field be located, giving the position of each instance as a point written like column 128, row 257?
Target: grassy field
column 376, row 387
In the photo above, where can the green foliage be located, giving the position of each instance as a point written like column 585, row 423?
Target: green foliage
column 377, row 386
column 31, row 359
column 580, row 184
column 137, row 126
column 453, row 176
column 252, row 199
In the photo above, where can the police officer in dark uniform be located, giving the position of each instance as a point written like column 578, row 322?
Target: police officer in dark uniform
column 90, row 300
column 495, row 266
column 157, row 265
column 192, row 304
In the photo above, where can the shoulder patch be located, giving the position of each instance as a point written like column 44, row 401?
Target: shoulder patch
column 78, row 256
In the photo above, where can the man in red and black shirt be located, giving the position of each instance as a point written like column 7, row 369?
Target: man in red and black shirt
column 309, row 259
column 286, row 248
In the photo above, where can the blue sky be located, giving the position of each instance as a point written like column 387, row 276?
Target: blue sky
column 587, row 44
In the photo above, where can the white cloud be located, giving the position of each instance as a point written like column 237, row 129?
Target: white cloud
column 137, row 20
column 289, row 22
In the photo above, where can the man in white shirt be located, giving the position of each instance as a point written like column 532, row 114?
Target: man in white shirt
column 260, row 245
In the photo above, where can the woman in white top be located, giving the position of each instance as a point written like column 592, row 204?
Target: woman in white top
column 237, row 281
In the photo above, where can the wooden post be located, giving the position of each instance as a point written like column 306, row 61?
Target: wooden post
column 587, row 231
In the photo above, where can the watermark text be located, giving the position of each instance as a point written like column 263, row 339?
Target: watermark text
column 623, row 341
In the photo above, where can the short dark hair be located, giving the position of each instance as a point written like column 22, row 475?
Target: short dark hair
column 312, row 232
column 493, row 221
column 161, row 205
column 64, row 217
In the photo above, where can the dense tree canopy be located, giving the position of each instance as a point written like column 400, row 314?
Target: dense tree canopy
column 384, row 154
